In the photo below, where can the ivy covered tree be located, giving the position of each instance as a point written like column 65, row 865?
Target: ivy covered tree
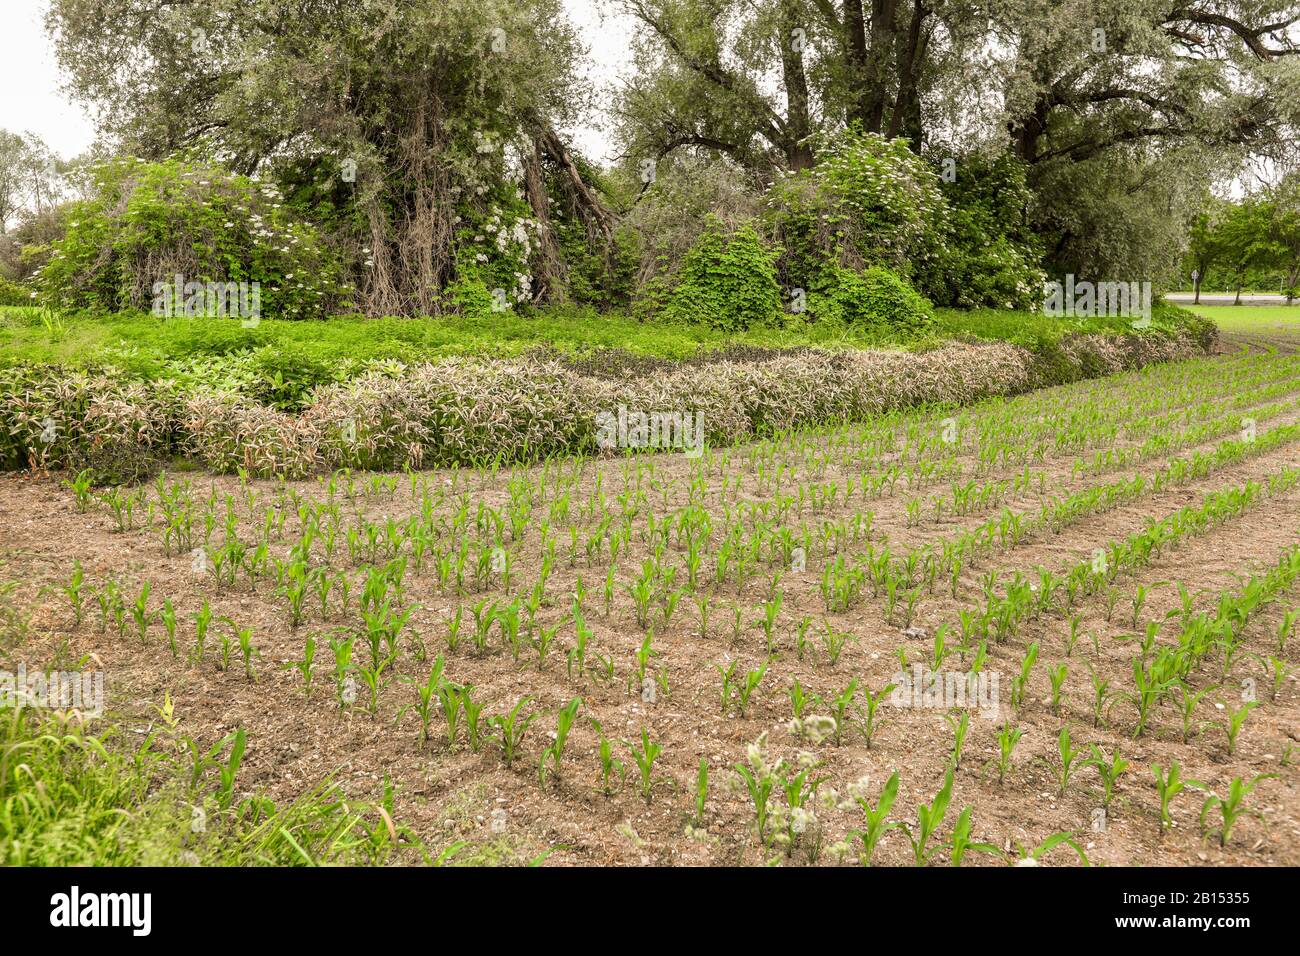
column 426, row 134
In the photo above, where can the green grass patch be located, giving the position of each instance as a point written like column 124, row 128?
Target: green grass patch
column 1251, row 318
column 280, row 362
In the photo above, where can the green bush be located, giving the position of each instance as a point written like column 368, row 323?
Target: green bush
column 990, row 256
column 727, row 281
column 11, row 293
column 147, row 223
column 887, row 299
column 875, row 300
column 869, row 200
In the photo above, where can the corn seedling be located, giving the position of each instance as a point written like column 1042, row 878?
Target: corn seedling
column 645, row 757
column 1168, row 785
column 1230, row 808
column 1008, row 737
column 960, row 728
column 961, row 842
column 609, row 764
column 564, row 721
column 507, row 730
column 928, row 819
column 1109, row 770
column 1236, row 720
column 1068, row 757
column 428, row 701
column 875, row 818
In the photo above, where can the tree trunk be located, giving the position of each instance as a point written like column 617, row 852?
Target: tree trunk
column 879, row 54
column 906, row 118
column 547, row 264
column 798, row 123
column 1026, row 134
column 855, row 50
column 588, row 206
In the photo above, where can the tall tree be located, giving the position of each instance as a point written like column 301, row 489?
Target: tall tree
column 408, row 116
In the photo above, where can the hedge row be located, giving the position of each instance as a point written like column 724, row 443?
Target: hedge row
column 476, row 410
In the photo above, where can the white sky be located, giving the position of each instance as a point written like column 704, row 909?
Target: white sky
column 30, row 99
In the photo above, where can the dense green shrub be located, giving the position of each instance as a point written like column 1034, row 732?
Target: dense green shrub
column 869, row 200
column 727, row 281
column 146, row 223
column 888, row 299
column 990, row 256
column 876, row 298
column 11, row 293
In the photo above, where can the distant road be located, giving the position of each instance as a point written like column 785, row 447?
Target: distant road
column 1207, row 298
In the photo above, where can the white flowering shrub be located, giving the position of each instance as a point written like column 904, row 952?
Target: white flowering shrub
column 144, row 224
column 496, row 235
column 868, row 201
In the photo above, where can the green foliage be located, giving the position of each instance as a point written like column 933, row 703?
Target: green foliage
column 876, row 299
column 13, row 294
column 146, row 223
column 727, row 281
column 991, row 256
column 868, row 200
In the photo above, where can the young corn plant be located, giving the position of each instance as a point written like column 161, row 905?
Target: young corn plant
column 473, row 711
column 341, row 647
column 428, row 701
column 1236, row 719
column 701, row 791
column 1169, row 784
column 202, row 622
column 1056, row 677
column 577, row 656
column 1008, row 737
column 1109, row 770
column 929, row 817
column 1102, row 696
column 875, row 820
column 760, row 780
column 507, row 730
column 1021, row 680
column 873, row 701
column 140, row 613
column 1186, row 701
column 609, row 764
column 304, row 665
column 450, row 701
column 168, row 617
column 833, row 642
column 645, row 757
column 1068, row 757
column 244, row 635
column 771, row 610
column 841, row 707
column 554, row 754
column 750, row 684
column 1230, row 808
column 73, row 591
column 960, row 729
column 961, row 841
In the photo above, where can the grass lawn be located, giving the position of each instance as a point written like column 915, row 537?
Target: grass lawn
column 1251, row 318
